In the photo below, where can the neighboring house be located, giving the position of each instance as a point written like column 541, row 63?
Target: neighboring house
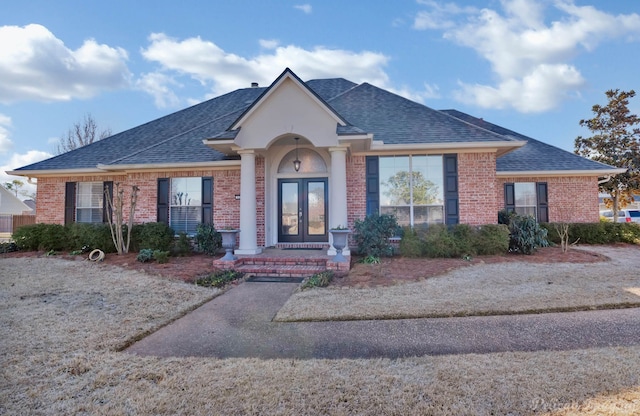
column 10, row 206
column 361, row 150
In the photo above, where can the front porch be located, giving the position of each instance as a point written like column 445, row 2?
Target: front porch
column 287, row 260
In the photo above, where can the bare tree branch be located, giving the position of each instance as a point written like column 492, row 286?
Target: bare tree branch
column 81, row 134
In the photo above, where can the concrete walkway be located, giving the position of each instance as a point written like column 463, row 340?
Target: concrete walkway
column 238, row 324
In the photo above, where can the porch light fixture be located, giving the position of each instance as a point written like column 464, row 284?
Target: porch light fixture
column 296, row 163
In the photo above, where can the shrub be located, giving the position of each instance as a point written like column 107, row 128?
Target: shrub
column 318, row 280
column 27, row 237
column 491, row 239
column 41, row 236
column 8, row 247
column 145, row 255
column 182, row 246
column 161, row 256
column 598, row 233
column 90, row 236
column 208, row 239
column 152, row 235
column 439, row 242
column 410, row 245
column 220, row 278
column 526, row 235
column 372, row 235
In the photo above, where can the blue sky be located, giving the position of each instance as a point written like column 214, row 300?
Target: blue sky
column 534, row 66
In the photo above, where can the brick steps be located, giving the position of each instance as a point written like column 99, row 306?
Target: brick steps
column 280, row 270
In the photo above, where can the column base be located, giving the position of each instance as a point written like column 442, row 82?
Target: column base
column 248, row 251
column 332, row 252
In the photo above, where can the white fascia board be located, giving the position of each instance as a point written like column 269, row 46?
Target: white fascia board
column 523, row 173
column 55, row 172
column 222, row 146
column 162, row 166
column 499, row 147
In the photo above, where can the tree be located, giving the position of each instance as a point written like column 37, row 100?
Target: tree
column 399, row 189
column 117, row 210
column 14, row 185
column 81, row 134
column 616, row 142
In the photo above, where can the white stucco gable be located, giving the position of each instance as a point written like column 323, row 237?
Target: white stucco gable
column 288, row 107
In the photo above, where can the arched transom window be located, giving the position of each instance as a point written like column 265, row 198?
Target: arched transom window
column 310, row 162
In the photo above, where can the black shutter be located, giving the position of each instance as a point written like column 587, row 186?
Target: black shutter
column 106, row 207
column 163, row 200
column 509, row 197
column 70, row 202
column 543, row 203
column 207, row 200
column 372, row 185
column 450, row 167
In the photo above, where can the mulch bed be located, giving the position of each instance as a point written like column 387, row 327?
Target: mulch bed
column 389, row 272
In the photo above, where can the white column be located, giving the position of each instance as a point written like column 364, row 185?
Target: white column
column 338, row 193
column 248, row 226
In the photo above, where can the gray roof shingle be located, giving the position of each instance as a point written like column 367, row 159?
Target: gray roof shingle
column 177, row 137
column 533, row 156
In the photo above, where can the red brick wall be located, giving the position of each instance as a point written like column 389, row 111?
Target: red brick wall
column 356, row 189
column 226, row 184
column 260, row 200
column 477, row 188
column 571, row 198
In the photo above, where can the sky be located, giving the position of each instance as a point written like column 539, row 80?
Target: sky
column 533, row 66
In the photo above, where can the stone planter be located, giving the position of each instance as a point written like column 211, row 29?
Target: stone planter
column 228, row 243
column 339, row 243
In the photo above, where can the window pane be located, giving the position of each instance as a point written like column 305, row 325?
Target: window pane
column 310, row 162
column 427, row 180
column 185, row 218
column 526, row 211
column 394, row 181
column 403, row 214
column 428, row 215
column 89, row 199
column 186, row 191
column 525, row 193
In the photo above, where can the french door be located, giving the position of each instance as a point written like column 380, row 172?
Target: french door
column 302, row 210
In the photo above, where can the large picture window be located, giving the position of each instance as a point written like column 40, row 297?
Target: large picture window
column 411, row 188
column 185, row 211
column 527, row 198
column 89, row 202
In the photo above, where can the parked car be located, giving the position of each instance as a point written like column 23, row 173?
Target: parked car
column 624, row 215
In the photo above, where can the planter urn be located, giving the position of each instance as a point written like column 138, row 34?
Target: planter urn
column 339, row 243
column 228, row 243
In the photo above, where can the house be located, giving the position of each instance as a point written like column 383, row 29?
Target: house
column 286, row 163
column 10, row 206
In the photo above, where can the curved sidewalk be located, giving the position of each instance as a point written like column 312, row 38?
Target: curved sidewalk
column 238, row 324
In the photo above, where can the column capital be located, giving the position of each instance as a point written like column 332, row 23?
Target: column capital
column 334, row 149
column 246, row 152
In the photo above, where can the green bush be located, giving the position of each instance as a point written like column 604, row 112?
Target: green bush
column 440, row 242
column 8, row 247
column 526, row 235
column 491, row 239
column 152, row 235
column 182, row 246
column 161, row 256
column 318, row 280
column 45, row 237
column 145, row 255
column 220, row 278
column 372, row 235
column 598, row 233
column 90, row 236
column 27, row 237
column 208, row 239
column 410, row 244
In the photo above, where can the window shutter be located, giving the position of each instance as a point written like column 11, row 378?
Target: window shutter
column 543, row 204
column 510, row 197
column 372, row 185
column 163, row 200
column 450, row 166
column 69, row 202
column 207, row 200
column 106, row 209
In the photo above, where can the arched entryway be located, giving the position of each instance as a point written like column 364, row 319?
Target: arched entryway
column 303, row 198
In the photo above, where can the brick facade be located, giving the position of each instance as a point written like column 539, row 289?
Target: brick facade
column 356, row 189
column 477, row 188
column 571, row 198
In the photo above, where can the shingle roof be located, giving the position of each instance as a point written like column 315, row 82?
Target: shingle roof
column 533, row 156
column 396, row 120
column 177, row 137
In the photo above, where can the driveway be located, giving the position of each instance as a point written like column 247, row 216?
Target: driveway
column 239, row 324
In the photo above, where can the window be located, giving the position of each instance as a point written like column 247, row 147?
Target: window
column 527, row 198
column 185, row 201
column 89, row 202
column 411, row 188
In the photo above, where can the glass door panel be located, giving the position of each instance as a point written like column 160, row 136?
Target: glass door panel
column 302, row 210
column 290, row 207
column 316, row 206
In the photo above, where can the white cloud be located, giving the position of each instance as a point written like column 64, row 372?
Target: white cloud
column 221, row 71
column 530, row 57
column 5, row 142
column 269, row 43
column 35, row 65
column 158, row 86
column 18, row 160
column 306, row 8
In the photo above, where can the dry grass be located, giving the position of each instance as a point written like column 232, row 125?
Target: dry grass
column 483, row 290
column 62, row 322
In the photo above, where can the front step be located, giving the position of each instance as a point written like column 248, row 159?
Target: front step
column 279, row 270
